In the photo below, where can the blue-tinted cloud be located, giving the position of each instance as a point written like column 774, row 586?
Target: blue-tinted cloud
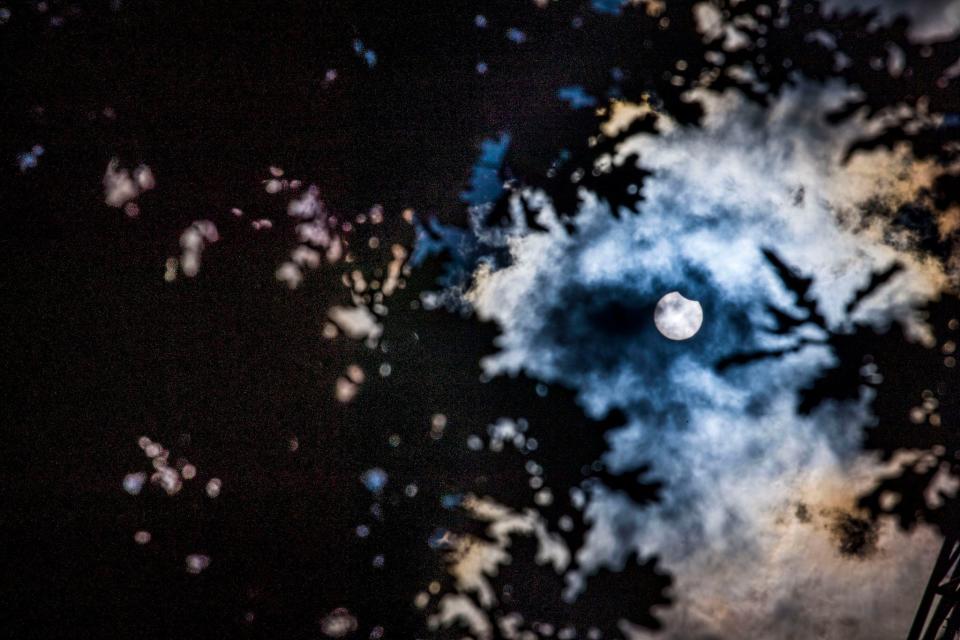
column 735, row 455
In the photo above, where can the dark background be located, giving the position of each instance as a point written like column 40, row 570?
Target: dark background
column 225, row 368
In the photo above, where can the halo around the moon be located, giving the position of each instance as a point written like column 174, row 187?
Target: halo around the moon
column 678, row 318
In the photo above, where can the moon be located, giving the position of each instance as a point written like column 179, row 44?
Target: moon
column 678, row 318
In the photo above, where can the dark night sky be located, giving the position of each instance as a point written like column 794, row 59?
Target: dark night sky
column 227, row 367
column 101, row 350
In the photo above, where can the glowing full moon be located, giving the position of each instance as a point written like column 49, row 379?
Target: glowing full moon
column 678, row 318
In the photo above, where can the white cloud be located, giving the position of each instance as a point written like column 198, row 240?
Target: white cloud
column 736, row 456
column 930, row 20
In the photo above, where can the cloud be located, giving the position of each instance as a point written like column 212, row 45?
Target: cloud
column 119, row 187
column 737, row 458
column 930, row 20
column 357, row 322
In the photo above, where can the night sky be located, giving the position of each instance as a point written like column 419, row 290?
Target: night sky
column 367, row 347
